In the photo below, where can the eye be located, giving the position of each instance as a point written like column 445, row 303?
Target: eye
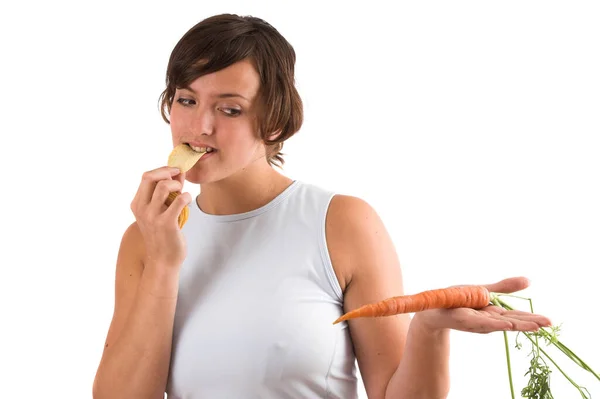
column 185, row 102
column 231, row 111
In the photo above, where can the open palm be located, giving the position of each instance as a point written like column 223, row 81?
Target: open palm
column 491, row 318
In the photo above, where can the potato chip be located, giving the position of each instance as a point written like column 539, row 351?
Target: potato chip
column 185, row 212
column 184, row 157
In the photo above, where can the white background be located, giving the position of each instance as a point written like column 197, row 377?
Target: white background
column 472, row 127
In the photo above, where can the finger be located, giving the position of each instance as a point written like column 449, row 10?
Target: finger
column 161, row 192
column 502, row 311
column 177, row 206
column 485, row 325
column 149, row 181
column 517, row 324
column 508, row 285
column 180, row 177
column 518, row 314
column 522, row 316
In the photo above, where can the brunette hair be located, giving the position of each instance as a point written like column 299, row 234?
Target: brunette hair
column 222, row 40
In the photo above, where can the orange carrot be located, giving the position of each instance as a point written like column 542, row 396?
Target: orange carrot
column 472, row 296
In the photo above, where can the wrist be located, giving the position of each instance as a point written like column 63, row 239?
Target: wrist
column 427, row 323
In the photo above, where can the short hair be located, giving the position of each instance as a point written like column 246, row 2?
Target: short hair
column 222, row 40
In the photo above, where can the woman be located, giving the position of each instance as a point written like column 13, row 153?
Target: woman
column 240, row 302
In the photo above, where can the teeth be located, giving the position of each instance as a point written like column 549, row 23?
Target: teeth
column 202, row 149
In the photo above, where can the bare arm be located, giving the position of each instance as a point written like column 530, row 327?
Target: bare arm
column 397, row 358
column 136, row 356
column 424, row 370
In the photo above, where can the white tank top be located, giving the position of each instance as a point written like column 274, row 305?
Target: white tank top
column 257, row 299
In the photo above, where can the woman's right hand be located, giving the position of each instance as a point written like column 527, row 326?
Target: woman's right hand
column 163, row 239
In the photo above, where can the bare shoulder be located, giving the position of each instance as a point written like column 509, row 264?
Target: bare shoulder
column 355, row 232
column 366, row 263
column 344, row 211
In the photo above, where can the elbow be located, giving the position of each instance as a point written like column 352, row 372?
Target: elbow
column 96, row 391
column 99, row 390
column 102, row 390
column 417, row 393
column 423, row 396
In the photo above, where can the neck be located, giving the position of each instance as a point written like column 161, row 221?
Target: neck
column 242, row 192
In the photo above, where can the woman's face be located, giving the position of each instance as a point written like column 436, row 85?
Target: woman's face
column 218, row 111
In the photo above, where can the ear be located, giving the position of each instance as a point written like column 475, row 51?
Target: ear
column 274, row 135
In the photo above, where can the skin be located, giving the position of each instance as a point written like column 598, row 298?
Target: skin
column 239, row 166
column 398, row 357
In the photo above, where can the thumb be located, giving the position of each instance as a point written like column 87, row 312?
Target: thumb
column 509, row 285
column 180, row 178
column 176, row 207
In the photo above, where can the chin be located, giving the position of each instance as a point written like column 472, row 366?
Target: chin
column 198, row 177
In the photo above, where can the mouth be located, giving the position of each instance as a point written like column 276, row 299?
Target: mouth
column 201, row 148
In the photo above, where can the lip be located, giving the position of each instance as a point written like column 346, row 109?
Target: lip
column 199, row 144
column 206, row 155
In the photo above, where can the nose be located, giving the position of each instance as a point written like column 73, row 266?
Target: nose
column 202, row 122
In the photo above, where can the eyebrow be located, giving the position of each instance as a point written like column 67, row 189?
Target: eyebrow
column 219, row 95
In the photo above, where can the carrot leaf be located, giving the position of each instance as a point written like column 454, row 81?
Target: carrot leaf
column 538, row 386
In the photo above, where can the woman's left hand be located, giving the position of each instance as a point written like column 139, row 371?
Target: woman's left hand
column 486, row 320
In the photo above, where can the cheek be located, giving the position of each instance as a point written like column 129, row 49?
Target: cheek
column 245, row 144
column 237, row 135
column 176, row 126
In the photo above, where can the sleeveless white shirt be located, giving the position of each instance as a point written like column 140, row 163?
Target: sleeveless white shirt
column 257, row 299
